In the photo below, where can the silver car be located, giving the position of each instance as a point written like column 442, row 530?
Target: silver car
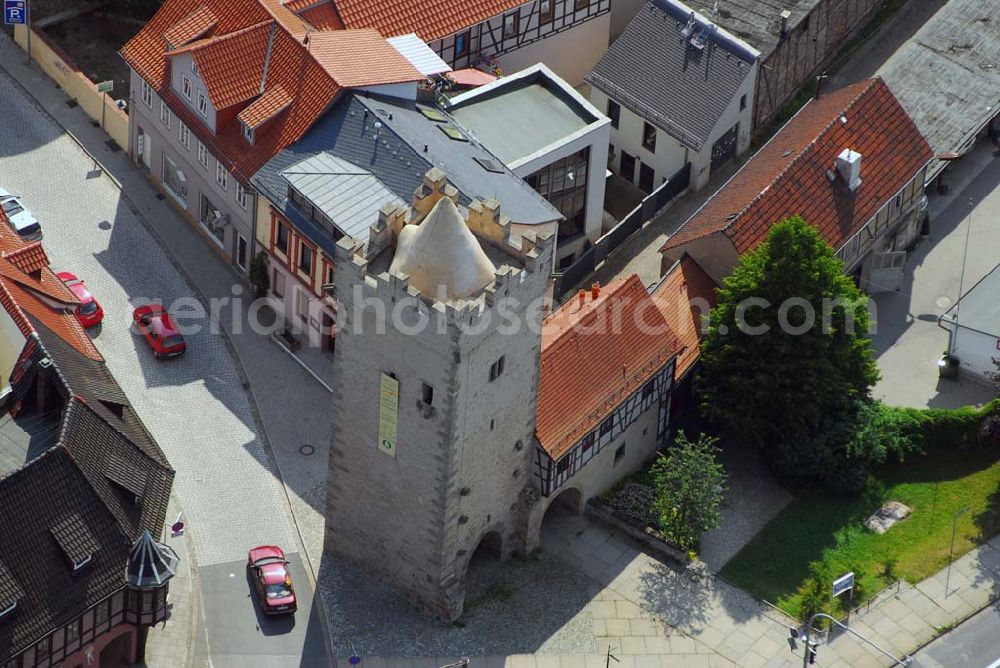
column 20, row 218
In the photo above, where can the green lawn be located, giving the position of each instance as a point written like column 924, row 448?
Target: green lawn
column 818, row 526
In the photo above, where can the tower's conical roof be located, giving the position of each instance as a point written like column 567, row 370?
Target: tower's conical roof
column 441, row 256
column 150, row 564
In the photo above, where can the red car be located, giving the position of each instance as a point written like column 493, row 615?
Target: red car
column 160, row 330
column 89, row 312
column 273, row 581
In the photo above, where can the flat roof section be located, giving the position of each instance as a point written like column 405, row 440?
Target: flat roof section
column 515, row 122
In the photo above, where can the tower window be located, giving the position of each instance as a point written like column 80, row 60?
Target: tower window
column 496, row 369
column 427, row 396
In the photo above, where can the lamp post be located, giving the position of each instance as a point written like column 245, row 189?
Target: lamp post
column 951, row 549
column 905, row 662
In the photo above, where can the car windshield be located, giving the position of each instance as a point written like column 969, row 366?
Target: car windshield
column 88, row 309
column 28, row 230
column 278, row 591
column 171, row 341
column 11, row 207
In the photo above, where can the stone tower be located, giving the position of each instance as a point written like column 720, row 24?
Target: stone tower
column 436, row 369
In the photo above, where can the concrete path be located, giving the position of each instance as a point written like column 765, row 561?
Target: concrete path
column 104, row 222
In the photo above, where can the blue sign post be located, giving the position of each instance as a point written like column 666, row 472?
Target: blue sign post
column 15, row 12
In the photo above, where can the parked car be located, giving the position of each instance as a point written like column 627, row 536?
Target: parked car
column 20, row 218
column 272, row 580
column 160, row 330
column 89, row 312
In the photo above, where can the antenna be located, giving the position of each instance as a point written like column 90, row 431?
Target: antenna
column 688, row 29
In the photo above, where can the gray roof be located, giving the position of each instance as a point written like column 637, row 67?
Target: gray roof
column 948, row 76
column 409, row 145
column 756, row 22
column 346, row 193
column 654, row 71
column 979, row 308
column 523, row 119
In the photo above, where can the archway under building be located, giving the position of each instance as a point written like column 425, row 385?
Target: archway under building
column 484, row 575
column 563, row 520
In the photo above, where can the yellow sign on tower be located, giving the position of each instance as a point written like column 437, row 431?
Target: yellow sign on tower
column 388, row 414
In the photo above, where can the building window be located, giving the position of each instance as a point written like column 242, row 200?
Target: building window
column 241, row 195
column 146, row 91
column 743, row 102
column 281, row 238
column 614, row 113
column 183, row 135
column 329, row 274
column 562, row 465
column 194, row 66
column 605, row 428
column 101, row 613
column 186, row 86
column 647, row 390
column 546, row 12
column 278, row 284
column 427, row 395
column 563, row 184
column 511, row 24
column 302, row 305
column 619, row 454
column 72, row 632
column 202, row 155
column 305, row 259
column 221, row 176
column 496, row 369
column 588, row 444
column 580, row 5
column 647, row 177
column 648, row 137
column 248, row 133
column 175, row 181
column 42, row 649
column 202, row 104
column 462, row 45
column 164, row 114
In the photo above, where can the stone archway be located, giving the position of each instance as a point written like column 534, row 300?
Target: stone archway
column 562, row 521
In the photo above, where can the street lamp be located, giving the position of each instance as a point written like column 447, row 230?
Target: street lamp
column 951, row 549
column 809, row 650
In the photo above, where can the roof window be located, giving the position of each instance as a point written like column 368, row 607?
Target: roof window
column 490, row 165
column 453, row 133
column 432, row 114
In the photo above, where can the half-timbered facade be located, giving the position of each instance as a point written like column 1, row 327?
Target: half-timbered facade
column 567, row 35
column 607, row 373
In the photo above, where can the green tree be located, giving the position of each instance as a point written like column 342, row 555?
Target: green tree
column 689, row 483
column 787, row 348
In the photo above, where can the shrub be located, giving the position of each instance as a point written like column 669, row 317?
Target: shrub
column 690, row 484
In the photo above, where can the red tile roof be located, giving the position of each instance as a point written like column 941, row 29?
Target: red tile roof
column 266, row 107
column 684, row 296
column 22, row 292
column 361, row 58
column 596, row 352
column 232, row 65
column 788, row 176
column 29, row 258
column 430, row 19
column 298, row 5
column 322, row 17
column 195, row 25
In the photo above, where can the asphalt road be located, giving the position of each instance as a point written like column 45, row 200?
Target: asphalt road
column 196, row 406
column 974, row 644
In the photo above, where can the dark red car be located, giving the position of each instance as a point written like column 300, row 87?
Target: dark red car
column 89, row 312
column 269, row 571
column 160, row 330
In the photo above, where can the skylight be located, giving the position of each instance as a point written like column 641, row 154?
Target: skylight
column 490, row 165
column 453, row 132
column 432, row 114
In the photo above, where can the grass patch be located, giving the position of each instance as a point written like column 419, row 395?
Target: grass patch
column 821, row 526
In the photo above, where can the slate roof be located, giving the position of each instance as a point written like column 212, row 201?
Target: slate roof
column 946, row 76
column 93, row 490
column 595, row 353
column 684, row 296
column 430, row 19
column 652, row 70
column 36, row 504
column 398, row 161
column 788, row 176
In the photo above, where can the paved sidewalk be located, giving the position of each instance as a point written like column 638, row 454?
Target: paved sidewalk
column 170, row 643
